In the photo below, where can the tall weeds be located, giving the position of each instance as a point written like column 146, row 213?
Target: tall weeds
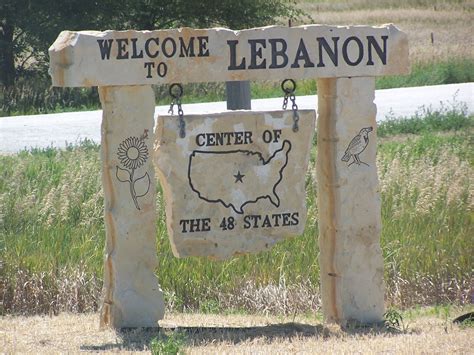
column 427, row 205
column 34, row 95
column 450, row 116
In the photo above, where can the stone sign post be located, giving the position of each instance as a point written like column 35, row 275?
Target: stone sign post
column 344, row 59
column 349, row 201
column 132, row 297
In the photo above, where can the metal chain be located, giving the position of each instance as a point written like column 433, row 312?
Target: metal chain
column 290, row 93
column 296, row 115
column 181, row 123
column 177, row 101
column 285, row 102
column 171, row 110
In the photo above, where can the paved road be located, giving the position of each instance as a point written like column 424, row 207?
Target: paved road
column 56, row 129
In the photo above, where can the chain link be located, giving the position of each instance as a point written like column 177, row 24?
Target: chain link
column 296, row 115
column 181, row 123
column 290, row 93
column 177, row 101
column 171, row 110
column 285, row 102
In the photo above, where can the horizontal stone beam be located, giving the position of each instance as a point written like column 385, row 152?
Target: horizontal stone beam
column 91, row 58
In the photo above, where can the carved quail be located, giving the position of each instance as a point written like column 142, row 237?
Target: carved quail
column 357, row 146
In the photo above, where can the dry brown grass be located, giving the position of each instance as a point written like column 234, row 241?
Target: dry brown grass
column 63, row 290
column 452, row 25
column 233, row 334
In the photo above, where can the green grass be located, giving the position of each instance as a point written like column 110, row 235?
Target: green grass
column 427, row 213
column 52, row 231
column 170, row 345
column 45, row 224
column 451, row 116
column 434, row 73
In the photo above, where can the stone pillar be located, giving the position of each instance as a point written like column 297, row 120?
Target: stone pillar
column 238, row 95
column 350, row 257
column 132, row 297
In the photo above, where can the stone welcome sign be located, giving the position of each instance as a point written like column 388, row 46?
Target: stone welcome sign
column 236, row 182
column 208, row 196
column 86, row 58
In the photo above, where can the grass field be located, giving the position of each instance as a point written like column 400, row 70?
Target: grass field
column 423, row 331
column 52, row 231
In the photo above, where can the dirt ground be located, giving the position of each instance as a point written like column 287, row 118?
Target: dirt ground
column 73, row 333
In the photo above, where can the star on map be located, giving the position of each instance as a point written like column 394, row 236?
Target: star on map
column 239, row 177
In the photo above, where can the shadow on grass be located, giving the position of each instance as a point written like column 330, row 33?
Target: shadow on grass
column 137, row 339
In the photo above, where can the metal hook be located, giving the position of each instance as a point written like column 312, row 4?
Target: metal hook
column 176, row 95
column 290, row 93
column 288, row 90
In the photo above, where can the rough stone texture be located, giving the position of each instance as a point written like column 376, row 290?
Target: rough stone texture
column 241, row 197
column 132, row 297
column 191, row 55
column 349, row 202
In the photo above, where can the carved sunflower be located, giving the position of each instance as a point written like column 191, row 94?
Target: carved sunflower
column 132, row 153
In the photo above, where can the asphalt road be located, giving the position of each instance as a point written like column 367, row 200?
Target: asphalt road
column 58, row 129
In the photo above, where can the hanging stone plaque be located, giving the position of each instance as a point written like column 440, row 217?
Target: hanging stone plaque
column 235, row 183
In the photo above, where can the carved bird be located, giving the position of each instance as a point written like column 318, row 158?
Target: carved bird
column 357, row 146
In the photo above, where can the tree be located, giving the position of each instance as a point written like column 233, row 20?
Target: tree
column 159, row 14
column 29, row 27
column 12, row 16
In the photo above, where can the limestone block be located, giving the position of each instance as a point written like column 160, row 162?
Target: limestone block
column 90, row 58
column 132, row 297
column 236, row 182
column 349, row 201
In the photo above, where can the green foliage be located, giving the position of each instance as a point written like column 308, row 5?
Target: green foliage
column 170, row 345
column 425, row 211
column 268, row 89
column 210, row 306
column 393, row 319
column 52, row 207
column 433, row 73
column 156, row 14
column 467, row 323
column 34, row 95
column 449, row 117
column 28, row 28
